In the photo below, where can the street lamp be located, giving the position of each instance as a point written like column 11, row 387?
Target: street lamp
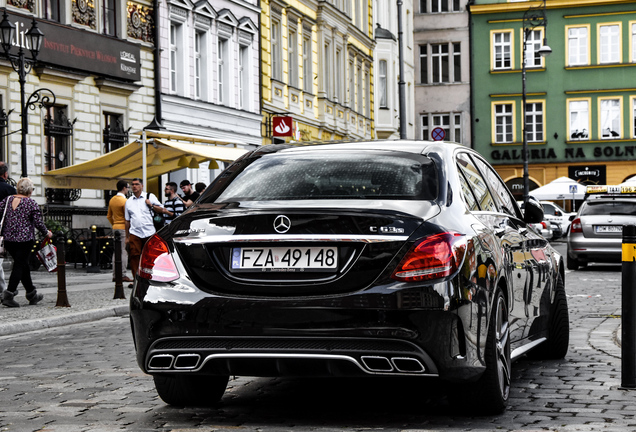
column 33, row 42
column 532, row 18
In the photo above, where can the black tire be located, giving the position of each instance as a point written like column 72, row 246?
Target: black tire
column 571, row 263
column 556, row 346
column 190, row 390
column 489, row 395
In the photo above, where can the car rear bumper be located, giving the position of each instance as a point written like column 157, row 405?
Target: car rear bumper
column 353, row 335
column 598, row 250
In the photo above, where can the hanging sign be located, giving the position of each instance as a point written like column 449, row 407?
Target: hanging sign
column 282, row 126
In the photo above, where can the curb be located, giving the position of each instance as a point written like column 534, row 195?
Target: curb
column 62, row 320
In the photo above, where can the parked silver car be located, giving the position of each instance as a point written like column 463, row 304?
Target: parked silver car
column 552, row 212
column 596, row 232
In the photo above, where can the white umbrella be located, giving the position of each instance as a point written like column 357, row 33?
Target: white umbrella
column 560, row 189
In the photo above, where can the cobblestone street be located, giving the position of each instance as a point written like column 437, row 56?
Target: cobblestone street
column 83, row 377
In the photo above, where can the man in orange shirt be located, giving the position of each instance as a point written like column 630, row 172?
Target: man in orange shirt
column 118, row 221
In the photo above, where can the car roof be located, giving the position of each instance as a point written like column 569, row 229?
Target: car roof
column 408, row 146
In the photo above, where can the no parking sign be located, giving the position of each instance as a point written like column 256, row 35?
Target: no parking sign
column 438, row 134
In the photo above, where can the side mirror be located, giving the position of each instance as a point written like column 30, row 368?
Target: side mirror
column 534, row 212
column 572, row 217
column 558, row 213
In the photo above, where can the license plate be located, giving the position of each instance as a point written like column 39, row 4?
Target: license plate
column 284, row 259
column 608, row 228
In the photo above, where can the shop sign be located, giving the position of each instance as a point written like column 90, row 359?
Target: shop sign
column 588, row 174
column 80, row 49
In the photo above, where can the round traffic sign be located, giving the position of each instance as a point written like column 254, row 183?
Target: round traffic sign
column 438, row 134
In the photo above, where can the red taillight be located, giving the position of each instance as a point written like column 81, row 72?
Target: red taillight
column 576, row 226
column 545, row 225
column 156, row 263
column 435, row 257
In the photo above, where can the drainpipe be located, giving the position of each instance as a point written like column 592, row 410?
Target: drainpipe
column 156, row 121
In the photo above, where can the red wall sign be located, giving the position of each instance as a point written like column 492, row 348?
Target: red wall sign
column 282, row 126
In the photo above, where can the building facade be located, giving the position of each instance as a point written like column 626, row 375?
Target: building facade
column 580, row 113
column 387, row 69
column 91, row 84
column 210, row 73
column 317, row 69
column 442, row 70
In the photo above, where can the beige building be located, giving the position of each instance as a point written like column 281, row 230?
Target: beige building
column 442, row 70
column 317, row 69
column 95, row 67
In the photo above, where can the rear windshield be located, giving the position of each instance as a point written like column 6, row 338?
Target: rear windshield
column 610, row 208
column 341, row 175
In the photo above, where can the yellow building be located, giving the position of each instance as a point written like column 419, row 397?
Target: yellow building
column 317, row 68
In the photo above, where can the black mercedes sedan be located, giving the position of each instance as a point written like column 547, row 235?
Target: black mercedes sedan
column 384, row 258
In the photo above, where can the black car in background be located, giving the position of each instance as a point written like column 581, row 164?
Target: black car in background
column 385, row 258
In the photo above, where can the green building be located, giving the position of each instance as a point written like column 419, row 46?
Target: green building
column 580, row 100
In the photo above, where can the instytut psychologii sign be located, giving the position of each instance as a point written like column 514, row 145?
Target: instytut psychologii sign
column 80, row 49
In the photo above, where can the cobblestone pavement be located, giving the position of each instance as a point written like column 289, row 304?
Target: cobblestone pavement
column 83, row 377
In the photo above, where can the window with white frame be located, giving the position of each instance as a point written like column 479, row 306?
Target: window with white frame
column 579, row 120
column 360, row 106
column 609, row 44
column 451, row 123
column 222, row 71
column 445, row 63
column 382, row 83
column 633, row 36
column 277, row 56
column 424, row 64
column 338, row 73
column 243, row 79
column 439, row 60
column 534, row 121
column 578, row 41
column 439, row 6
column 634, row 117
column 292, row 57
column 534, row 42
column 327, row 65
column 610, row 118
column 198, row 64
column 502, row 50
column 175, row 57
column 109, row 15
column 504, row 125
column 351, row 90
column 307, row 64
column 367, row 92
column 53, row 10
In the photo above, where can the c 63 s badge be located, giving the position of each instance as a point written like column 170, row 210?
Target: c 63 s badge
column 386, row 230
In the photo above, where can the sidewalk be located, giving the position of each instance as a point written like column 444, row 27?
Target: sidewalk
column 90, row 296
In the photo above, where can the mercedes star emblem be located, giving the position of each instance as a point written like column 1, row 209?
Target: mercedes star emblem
column 282, row 224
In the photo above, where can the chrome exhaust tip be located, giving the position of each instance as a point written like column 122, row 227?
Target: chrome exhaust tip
column 408, row 365
column 187, row 361
column 377, row 364
column 161, row 361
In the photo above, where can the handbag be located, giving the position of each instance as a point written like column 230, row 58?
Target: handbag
column 3, row 251
column 48, row 255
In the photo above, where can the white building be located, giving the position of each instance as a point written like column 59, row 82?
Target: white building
column 387, row 67
column 209, row 67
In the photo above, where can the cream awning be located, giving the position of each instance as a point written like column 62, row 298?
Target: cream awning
column 125, row 163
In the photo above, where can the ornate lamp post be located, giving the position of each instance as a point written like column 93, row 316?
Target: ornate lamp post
column 532, row 18
column 32, row 41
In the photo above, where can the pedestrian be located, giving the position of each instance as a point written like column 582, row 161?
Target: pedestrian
column 190, row 195
column 139, row 227
column 174, row 205
column 199, row 187
column 22, row 218
column 115, row 216
column 5, row 190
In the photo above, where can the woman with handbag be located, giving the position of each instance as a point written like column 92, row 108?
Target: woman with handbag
column 22, row 216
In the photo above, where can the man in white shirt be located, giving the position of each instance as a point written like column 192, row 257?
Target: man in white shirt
column 139, row 226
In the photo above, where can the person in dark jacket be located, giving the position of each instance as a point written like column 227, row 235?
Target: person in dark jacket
column 22, row 218
column 5, row 190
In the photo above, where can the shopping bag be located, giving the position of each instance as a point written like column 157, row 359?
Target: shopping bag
column 48, row 255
